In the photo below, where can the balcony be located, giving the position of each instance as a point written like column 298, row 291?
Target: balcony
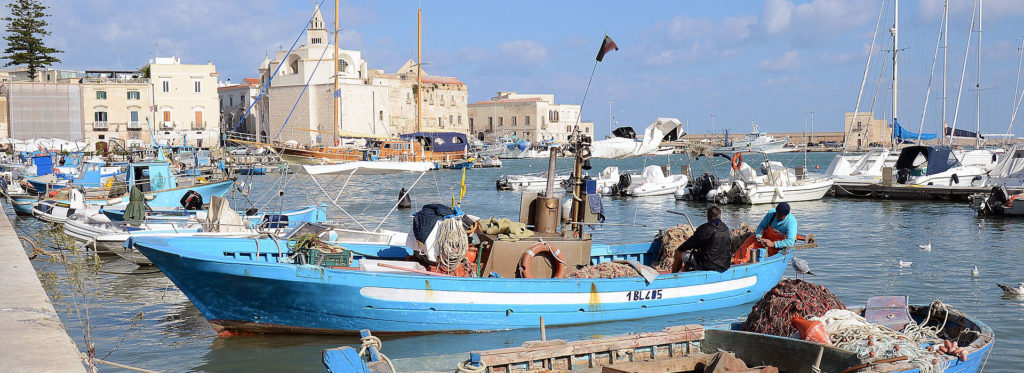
column 134, row 125
column 167, row 125
column 100, row 125
column 199, row 125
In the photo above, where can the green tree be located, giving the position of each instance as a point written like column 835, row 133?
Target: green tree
column 26, row 26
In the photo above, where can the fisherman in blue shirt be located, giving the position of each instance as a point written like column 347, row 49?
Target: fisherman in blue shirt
column 776, row 231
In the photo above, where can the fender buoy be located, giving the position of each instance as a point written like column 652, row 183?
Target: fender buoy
column 53, row 193
column 737, row 160
column 540, row 248
column 812, row 331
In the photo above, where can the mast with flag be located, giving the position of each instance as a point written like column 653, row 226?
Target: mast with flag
column 581, row 143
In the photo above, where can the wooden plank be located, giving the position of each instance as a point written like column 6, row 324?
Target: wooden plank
column 541, row 350
column 681, row 364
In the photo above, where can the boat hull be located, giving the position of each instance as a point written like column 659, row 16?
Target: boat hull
column 239, row 294
column 811, row 191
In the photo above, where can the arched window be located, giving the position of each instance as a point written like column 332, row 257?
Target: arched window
column 342, row 65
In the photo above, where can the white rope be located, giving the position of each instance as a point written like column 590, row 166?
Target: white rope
column 851, row 332
column 373, row 341
column 452, row 244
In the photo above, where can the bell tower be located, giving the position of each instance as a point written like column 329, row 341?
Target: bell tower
column 316, row 33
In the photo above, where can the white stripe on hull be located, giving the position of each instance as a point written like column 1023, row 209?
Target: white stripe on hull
column 481, row 297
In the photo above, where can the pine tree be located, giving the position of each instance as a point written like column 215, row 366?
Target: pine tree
column 26, row 26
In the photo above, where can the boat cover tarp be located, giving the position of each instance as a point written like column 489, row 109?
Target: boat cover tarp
column 939, row 158
column 439, row 141
column 368, row 168
column 620, row 148
column 624, row 132
column 1012, row 163
column 222, row 218
column 961, row 133
column 900, row 133
column 136, row 209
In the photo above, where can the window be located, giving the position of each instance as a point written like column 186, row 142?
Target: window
column 515, row 120
column 527, row 120
column 134, row 95
column 199, row 120
column 198, row 85
column 342, row 65
column 470, row 121
column 100, row 116
column 381, row 115
column 451, row 119
column 166, row 86
column 241, row 100
column 101, row 95
column 134, row 116
column 439, row 124
column 460, row 120
column 501, row 121
column 490, row 121
column 167, row 116
column 587, row 129
column 231, row 101
column 553, row 116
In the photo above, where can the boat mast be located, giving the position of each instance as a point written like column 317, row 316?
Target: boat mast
column 945, row 62
column 611, row 119
column 337, row 95
column 977, row 133
column 419, row 67
column 895, row 65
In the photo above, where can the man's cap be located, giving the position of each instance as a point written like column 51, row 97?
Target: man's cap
column 782, row 209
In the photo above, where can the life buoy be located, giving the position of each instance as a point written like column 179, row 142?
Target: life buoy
column 540, row 248
column 737, row 160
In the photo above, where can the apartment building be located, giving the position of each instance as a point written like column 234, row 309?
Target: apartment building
column 115, row 106
column 185, row 104
column 534, row 117
column 444, row 101
column 235, row 100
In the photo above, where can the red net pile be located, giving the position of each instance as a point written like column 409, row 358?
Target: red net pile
column 791, row 297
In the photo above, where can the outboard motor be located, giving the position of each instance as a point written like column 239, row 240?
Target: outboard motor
column 997, row 198
column 903, row 175
column 192, row 200
column 625, row 180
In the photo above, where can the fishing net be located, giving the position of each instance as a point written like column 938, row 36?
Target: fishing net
column 791, row 297
column 605, row 270
column 739, row 235
column 670, row 240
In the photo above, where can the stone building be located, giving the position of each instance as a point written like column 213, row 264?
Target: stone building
column 185, row 104
column 115, row 106
column 443, row 108
column 862, row 130
column 235, row 100
column 534, row 117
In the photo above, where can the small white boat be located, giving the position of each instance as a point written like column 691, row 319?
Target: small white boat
column 756, row 142
column 776, row 184
column 57, row 212
column 656, row 183
column 528, row 183
column 998, row 202
column 936, row 165
column 864, row 168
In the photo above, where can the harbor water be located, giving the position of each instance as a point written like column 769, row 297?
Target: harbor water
column 136, row 316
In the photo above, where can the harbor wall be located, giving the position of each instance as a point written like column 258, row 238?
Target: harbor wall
column 33, row 337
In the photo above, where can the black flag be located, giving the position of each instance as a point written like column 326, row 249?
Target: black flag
column 606, row 46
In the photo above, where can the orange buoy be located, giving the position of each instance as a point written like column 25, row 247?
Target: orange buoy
column 811, row 330
column 540, row 248
column 737, row 160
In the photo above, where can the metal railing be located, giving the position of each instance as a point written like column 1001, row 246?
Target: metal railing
column 199, row 125
column 134, row 125
column 167, row 124
column 100, row 125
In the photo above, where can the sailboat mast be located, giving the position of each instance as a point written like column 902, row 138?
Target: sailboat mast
column 945, row 63
column 895, row 62
column 337, row 96
column 610, row 119
column 419, row 67
column 977, row 133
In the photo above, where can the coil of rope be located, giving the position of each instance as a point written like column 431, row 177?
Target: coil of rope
column 453, row 244
column 373, row 341
column 852, row 332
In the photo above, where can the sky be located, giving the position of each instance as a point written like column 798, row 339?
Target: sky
column 772, row 62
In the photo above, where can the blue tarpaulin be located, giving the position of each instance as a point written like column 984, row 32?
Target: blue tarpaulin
column 900, row 133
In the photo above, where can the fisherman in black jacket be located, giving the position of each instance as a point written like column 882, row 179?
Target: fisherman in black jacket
column 709, row 249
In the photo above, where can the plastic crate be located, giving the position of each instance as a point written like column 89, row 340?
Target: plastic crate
column 342, row 259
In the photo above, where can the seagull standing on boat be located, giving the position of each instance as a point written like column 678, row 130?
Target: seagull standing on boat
column 905, row 264
column 927, row 247
column 801, row 267
column 1013, row 292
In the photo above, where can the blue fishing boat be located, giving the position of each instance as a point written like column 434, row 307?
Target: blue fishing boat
column 91, row 174
column 160, row 185
column 242, row 285
column 252, row 170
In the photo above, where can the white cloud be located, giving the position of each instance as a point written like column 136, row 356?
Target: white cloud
column 775, row 15
column 526, row 52
column 688, row 28
column 789, row 61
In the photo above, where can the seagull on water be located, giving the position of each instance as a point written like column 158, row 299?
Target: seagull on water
column 974, row 272
column 905, row 264
column 801, row 267
column 927, row 247
column 1014, row 292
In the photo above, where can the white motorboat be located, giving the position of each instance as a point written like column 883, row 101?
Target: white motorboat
column 56, row 212
column 626, row 147
column 655, row 183
column 776, row 184
column 864, row 168
column 528, row 182
column 611, row 182
column 1009, row 171
column 936, row 165
column 755, row 141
